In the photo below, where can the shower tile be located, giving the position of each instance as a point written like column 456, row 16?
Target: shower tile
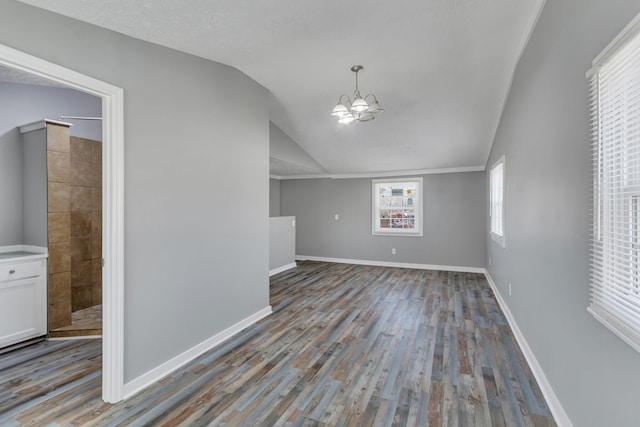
column 96, row 204
column 57, row 138
column 80, row 273
column 81, row 173
column 96, row 151
column 80, row 149
column 59, row 226
column 60, row 288
column 80, row 224
column 80, row 248
column 96, row 294
column 96, row 247
column 96, row 177
column 59, row 196
column 59, row 257
column 96, row 271
column 81, row 298
column 80, row 199
column 96, row 223
column 60, row 315
column 58, row 165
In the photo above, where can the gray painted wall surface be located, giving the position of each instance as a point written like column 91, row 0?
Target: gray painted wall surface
column 34, row 189
column 274, row 197
column 282, row 241
column 192, row 144
column 287, row 157
column 545, row 136
column 21, row 104
column 454, row 221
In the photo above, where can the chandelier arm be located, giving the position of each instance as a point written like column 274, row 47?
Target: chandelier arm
column 372, row 95
column 344, row 96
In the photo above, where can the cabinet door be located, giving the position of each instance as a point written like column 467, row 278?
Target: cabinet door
column 22, row 310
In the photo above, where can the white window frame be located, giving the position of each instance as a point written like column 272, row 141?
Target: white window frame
column 376, row 230
column 497, row 177
column 615, row 233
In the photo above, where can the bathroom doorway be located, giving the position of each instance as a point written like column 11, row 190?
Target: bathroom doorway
column 112, row 205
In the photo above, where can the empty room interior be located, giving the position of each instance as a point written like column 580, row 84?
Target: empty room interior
column 320, row 213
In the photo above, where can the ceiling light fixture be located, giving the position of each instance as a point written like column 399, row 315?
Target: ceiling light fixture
column 357, row 110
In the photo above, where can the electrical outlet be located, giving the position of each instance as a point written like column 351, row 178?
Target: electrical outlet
column 489, row 261
column 293, row 222
column 393, row 251
column 509, row 289
column 336, row 217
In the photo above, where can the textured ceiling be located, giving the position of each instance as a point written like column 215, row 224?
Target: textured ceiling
column 440, row 68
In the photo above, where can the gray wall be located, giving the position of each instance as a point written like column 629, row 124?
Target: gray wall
column 34, row 189
column 282, row 241
column 287, row 157
column 21, row 104
column 545, row 137
column 454, row 221
column 196, row 138
column 274, row 197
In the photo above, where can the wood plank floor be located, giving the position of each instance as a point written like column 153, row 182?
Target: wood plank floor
column 346, row 346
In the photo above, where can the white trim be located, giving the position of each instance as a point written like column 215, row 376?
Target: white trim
column 375, row 208
column 621, row 39
column 41, row 124
column 382, row 174
column 559, row 415
column 161, row 371
column 392, row 264
column 281, row 269
column 113, row 206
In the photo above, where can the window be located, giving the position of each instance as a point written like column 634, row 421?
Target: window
column 397, row 207
column 496, row 201
column 615, row 253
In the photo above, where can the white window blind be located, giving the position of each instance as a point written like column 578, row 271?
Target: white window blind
column 496, row 201
column 615, row 254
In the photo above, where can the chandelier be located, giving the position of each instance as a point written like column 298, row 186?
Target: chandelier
column 357, row 110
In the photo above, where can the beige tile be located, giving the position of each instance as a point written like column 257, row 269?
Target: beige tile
column 58, row 166
column 58, row 197
column 81, row 298
column 80, row 273
column 96, row 294
column 80, row 224
column 81, row 149
column 59, row 315
column 57, row 138
column 96, row 223
column 59, row 227
column 80, row 248
column 59, row 257
column 60, row 288
column 96, row 199
column 96, row 151
column 96, row 177
column 81, row 173
column 96, row 246
column 96, row 271
column 81, row 199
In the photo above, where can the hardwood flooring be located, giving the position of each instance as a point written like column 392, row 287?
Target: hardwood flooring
column 346, row 345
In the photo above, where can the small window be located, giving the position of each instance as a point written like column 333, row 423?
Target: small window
column 397, row 207
column 496, row 201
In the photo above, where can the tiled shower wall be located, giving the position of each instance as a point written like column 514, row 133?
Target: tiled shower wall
column 58, row 225
column 86, row 222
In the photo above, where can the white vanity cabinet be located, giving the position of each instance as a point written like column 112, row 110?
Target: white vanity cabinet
column 23, row 296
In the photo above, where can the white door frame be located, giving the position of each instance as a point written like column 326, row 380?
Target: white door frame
column 113, row 207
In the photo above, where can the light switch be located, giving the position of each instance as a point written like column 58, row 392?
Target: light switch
column 336, row 217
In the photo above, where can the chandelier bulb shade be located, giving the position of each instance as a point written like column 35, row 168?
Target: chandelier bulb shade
column 358, row 110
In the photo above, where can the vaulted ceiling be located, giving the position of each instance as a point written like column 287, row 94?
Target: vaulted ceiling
column 440, row 68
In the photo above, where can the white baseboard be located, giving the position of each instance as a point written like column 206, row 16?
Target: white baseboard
column 560, row 416
column 161, row 371
column 83, row 337
column 281, row 269
column 392, row 264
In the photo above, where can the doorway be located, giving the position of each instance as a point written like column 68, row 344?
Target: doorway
column 112, row 204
